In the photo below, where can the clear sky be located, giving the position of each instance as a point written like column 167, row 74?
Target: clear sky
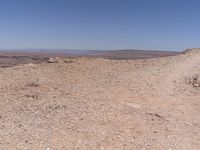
column 100, row 24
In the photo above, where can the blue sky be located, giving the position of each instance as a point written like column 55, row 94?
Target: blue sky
column 100, row 24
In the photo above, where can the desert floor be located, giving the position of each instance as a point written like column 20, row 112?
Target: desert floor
column 96, row 103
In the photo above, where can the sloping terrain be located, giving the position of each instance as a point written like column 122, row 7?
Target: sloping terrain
column 102, row 104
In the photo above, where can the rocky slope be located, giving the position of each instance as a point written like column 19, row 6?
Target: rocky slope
column 102, row 104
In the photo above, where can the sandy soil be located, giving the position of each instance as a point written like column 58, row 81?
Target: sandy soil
column 102, row 104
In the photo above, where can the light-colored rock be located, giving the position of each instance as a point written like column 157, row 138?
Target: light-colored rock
column 53, row 60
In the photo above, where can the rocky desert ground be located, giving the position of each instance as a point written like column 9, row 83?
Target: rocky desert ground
column 97, row 103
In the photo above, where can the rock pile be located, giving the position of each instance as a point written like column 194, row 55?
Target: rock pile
column 195, row 81
column 192, row 51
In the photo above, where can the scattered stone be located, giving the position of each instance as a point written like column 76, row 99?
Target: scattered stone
column 68, row 60
column 20, row 125
column 33, row 84
column 26, row 141
column 34, row 96
column 133, row 105
column 154, row 114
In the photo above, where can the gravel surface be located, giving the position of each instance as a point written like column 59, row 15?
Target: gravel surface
column 102, row 104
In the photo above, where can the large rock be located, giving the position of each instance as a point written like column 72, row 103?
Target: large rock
column 53, row 60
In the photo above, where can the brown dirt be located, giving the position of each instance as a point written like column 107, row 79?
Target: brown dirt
column 12, row 58
column 102, row 104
